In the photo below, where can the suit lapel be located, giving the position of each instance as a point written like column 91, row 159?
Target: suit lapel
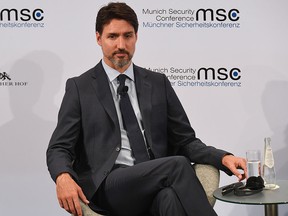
column 144, row 91
column 100, row 83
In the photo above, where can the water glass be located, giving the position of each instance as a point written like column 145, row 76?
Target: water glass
column 253, row 162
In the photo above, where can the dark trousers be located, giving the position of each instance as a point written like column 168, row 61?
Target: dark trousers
column 161, row 187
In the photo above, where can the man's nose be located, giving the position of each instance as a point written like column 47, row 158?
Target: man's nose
column 121, row 43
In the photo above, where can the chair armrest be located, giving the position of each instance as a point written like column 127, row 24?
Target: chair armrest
column 87, row 211
column 209, row 177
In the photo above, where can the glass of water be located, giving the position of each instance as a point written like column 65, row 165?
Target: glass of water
column 253, row 162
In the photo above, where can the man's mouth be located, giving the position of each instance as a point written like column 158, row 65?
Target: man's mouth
column 121, row 54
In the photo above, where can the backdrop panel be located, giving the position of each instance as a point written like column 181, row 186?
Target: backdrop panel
column 227, row 61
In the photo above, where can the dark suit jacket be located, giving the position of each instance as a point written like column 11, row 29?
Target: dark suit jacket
column 87, row 141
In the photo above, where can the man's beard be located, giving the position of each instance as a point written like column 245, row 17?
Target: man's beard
column 122, row 61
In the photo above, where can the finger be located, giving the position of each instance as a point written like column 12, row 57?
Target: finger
column 245, row 168
column 243, row 177
column 71, row 207
column 78, row 207
column 82, row 196
column 242, row 165
column 60, row 203
column 235, row 171
column 65, row 205
column 239, row 176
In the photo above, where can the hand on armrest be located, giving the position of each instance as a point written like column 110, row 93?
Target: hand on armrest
column 68, row 194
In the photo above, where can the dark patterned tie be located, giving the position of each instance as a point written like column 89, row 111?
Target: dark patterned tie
column 130, row 123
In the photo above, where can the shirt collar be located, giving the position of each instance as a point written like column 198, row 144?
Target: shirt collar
column 113, row 74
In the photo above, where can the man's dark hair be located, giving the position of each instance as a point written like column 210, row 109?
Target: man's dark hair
column 115, row 10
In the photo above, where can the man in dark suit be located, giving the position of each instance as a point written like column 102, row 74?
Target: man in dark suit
column 96, row 154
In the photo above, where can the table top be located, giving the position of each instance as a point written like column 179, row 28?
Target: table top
column 277, row 196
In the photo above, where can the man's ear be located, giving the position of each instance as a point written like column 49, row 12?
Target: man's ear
column 98, row 38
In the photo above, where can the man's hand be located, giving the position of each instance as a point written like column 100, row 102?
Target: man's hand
column 68, row 193
column 234, row 163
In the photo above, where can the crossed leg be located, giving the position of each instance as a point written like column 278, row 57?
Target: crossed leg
column 162, row 187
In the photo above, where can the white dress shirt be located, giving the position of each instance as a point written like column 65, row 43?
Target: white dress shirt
column 125, row 156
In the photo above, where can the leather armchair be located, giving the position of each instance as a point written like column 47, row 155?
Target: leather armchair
column 208, row 175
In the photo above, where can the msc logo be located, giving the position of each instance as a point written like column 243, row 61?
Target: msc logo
column 21, row 15
column 219, row 74
column 220, row 15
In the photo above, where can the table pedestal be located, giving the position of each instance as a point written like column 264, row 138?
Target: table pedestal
column 271, row 210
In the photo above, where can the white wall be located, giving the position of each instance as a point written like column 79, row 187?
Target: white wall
column 40, row 59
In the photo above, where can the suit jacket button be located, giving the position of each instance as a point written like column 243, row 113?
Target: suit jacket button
column 117, row 149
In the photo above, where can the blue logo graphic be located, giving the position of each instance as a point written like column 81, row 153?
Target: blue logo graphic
column 235, row 73
column 234, row 14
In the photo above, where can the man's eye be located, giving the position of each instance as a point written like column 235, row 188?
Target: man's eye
column 112, row 36
column 128, row 35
